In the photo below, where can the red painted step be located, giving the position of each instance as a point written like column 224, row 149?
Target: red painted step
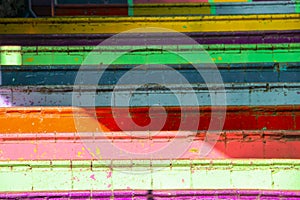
column 61, row 119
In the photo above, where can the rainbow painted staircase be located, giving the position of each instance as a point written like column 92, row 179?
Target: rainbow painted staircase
column 151, row 99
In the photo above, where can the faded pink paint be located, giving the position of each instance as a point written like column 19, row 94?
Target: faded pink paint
column 234, row 149
column 233, row 146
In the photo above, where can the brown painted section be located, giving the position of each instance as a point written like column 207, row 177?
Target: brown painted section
column 91, row 9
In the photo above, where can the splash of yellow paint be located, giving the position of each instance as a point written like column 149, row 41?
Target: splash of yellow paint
column 98, row 151
column 194, row 150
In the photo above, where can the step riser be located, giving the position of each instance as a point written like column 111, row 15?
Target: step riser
column 244, row 94
column 61, row 119
column 180, row 24
column 136, row 55
column 257, row 37
column 76, row 146
column 231, row 73
column 162, row 195
column 176, row 9
column 114, row 175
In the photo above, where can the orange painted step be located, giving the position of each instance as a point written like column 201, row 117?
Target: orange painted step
column 61, row 119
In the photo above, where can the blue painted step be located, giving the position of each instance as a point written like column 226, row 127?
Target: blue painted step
column 231, row 73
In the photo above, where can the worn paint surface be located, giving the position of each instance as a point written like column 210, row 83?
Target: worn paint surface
column 230, row 73
column 224, row 8
column 237, row 94
column 238, row 144
column 248, row 37
column 114, row 175
column 165, row 194
column 61, row 119
column 142, row 55
column 41, row 150
column 161, row 8
column 180, row 24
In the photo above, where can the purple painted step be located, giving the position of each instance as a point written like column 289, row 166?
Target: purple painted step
column 265, row 37
column 129, row 194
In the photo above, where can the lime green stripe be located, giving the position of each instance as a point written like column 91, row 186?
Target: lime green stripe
column 216, row 53
column 237, row 47
column 183, row 174
column 130, row 7
column 158, row 58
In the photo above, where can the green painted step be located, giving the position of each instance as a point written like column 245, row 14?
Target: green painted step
column 145, row 174
column 183, row 54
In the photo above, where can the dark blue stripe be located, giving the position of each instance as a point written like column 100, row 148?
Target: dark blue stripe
column 231, row 73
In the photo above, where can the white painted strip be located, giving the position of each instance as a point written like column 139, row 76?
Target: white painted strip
column 248, row 94
column 149, row 174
